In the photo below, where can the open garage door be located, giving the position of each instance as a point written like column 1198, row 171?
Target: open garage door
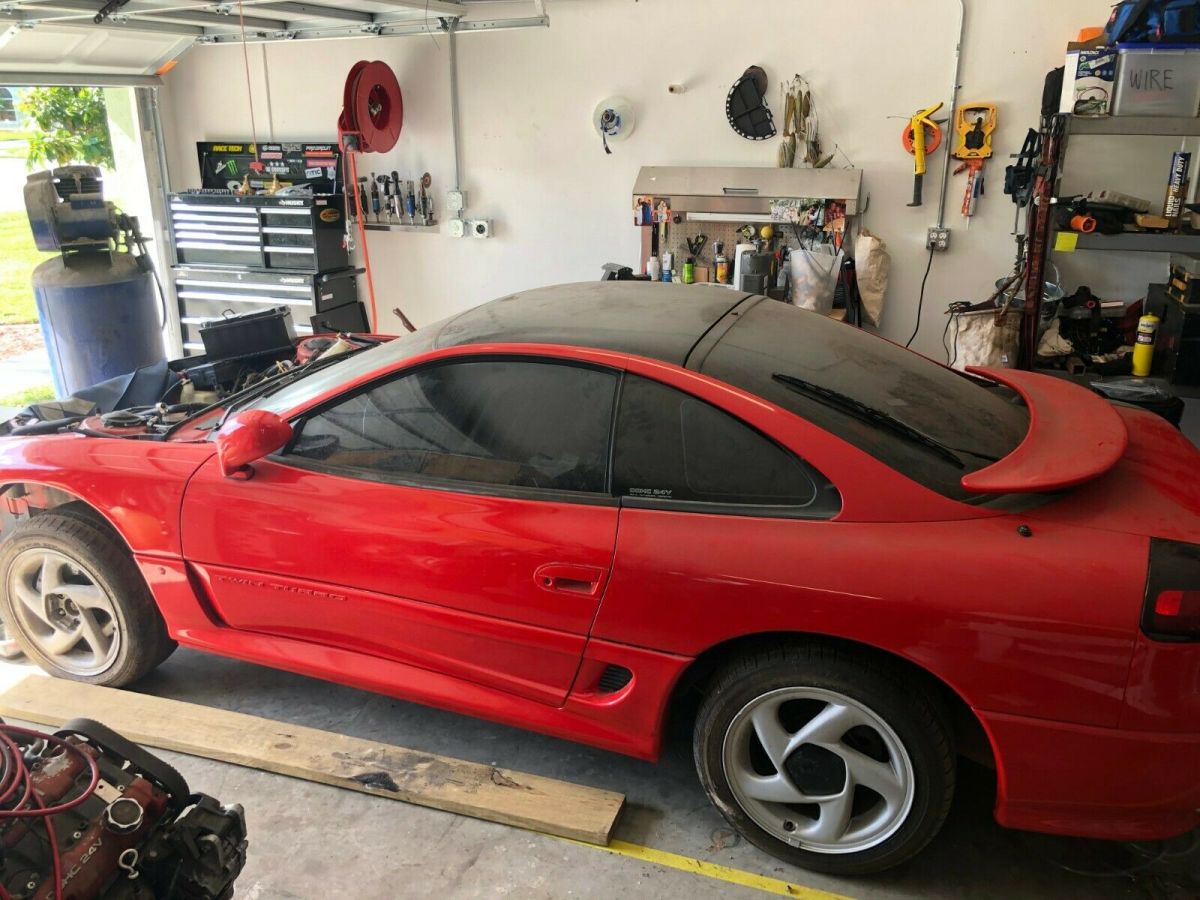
column 131, row 38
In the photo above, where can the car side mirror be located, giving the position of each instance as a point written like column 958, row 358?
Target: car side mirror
column 249, row 436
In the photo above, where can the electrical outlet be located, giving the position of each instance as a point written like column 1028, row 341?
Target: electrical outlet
column 480, row 228
column 937, row 238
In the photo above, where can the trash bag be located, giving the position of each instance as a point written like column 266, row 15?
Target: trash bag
column 815, row 274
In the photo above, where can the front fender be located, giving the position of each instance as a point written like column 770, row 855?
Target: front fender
column 136, row 485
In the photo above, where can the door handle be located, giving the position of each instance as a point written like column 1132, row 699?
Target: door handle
column 565, row 578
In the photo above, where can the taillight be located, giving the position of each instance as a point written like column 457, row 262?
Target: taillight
column 1172, row 607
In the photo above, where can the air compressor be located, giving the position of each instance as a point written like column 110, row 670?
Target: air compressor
column 96, row 300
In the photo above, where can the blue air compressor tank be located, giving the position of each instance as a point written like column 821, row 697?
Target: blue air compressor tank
column 99, row 317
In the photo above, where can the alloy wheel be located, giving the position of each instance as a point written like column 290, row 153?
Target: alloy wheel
column 818, row 770
column 64, row 611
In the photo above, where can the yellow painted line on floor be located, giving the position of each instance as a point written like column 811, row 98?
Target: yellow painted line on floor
column 712, row 870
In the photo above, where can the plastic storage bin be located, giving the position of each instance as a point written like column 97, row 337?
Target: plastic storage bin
column 1157, row 81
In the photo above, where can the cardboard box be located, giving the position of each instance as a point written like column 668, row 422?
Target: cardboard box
column 1088, row 82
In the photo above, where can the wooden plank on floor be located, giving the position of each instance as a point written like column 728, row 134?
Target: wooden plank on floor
column 470, row 789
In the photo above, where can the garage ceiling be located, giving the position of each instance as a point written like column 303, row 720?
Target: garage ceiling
column 60, row 37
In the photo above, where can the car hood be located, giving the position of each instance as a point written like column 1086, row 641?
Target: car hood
column 1074, row 436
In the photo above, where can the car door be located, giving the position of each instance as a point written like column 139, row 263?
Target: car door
column 456, row 517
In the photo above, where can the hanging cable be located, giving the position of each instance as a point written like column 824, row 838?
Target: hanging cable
column 921, row 301
column 249, row 89
column 362, row 237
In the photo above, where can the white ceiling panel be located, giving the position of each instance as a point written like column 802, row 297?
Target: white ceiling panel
column 66, row 49
column 58, row 38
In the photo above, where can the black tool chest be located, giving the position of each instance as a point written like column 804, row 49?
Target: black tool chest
column 206, row 294
column 294, row 234
column 237, row 254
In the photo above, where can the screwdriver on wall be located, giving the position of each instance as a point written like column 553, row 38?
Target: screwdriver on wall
column 412, row 205
column 375, row 196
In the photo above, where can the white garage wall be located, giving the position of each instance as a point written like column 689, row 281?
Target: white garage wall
column 532, row 162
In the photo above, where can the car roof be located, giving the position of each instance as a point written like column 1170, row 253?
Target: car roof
column 659, row 321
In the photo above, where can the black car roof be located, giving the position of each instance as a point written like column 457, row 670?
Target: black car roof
column 660, row 321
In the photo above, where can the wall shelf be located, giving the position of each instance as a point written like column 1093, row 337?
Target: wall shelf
column 396, row 226
column 1160, row 126
column 1146, row 242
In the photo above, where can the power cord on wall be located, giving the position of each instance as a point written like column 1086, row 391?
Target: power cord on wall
column 921, row 300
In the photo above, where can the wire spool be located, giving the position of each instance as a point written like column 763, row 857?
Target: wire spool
column 372, row 107
column 933, row 138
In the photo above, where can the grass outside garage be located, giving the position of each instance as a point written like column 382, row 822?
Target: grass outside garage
column 18, row 258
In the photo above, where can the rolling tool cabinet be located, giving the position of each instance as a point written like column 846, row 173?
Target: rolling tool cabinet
column 237, row 254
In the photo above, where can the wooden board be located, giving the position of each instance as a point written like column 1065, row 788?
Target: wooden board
column 470, row 789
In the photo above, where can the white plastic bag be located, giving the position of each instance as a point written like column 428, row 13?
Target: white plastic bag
column 872, row 265
column 815, row 276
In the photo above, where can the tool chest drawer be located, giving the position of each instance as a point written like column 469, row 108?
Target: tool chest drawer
column 208, row 293
column 297, row 234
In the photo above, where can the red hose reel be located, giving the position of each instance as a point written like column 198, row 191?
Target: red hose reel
column 372, row 109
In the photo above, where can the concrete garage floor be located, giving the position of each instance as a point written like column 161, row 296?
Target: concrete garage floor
column 312, row 841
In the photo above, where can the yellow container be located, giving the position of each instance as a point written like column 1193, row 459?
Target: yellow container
column 1143, row 346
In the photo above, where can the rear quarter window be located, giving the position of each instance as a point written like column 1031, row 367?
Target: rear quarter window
column 978, row 421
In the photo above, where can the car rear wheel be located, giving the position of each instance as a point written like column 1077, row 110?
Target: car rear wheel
column 825, row 759
column 76, row 603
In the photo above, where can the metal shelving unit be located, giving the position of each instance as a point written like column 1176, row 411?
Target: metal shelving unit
column 1056, row 133
column 1128, row 126
column 1145, row 242
column 1149, row 126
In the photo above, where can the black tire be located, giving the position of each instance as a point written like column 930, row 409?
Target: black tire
column 906, row 707
column 87, row 541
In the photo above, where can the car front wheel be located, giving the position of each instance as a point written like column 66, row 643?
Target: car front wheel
column 824, row 758
column 72, row 597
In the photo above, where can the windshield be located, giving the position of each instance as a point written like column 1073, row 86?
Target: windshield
column 924, row 420
column 304, row 390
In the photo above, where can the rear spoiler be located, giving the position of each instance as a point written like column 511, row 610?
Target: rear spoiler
column 1074, row 436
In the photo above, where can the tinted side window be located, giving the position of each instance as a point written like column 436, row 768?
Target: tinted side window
column 518, row 423
column 671, row 446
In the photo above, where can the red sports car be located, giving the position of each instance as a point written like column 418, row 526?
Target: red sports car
column 582, row 509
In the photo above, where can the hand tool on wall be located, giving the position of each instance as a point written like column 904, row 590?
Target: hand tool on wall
column 397, row 197
column 375, row 196
column 974, row 125
column 922, row 136
column 364, row 199
column 386, row 199
column 696, row 244
column 426, row 207
column 412, row 205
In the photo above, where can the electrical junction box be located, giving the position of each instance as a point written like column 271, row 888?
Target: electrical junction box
column 456, row 202
column 457, row 227
column 937, row 238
